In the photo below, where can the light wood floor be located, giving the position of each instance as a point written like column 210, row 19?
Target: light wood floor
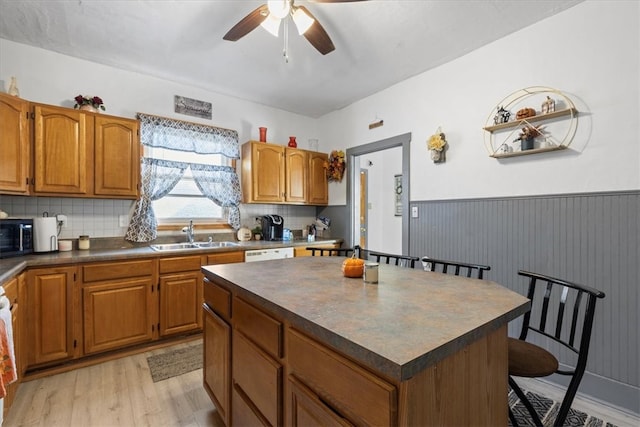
column 115, row 393
column 121, row 393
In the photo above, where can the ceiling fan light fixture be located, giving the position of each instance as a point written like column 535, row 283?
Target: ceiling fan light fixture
column 302, row 20
column 278, row 8
column 272, row 24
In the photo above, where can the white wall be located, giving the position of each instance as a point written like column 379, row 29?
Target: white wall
column 385, row 229
column 55, row 79
column 589, row 52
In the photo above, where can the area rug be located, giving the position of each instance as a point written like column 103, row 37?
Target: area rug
column 175, row 362
column 547, row 410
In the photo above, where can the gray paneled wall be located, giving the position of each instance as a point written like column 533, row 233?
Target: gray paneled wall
column 591, row 239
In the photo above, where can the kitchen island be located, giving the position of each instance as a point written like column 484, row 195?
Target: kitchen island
column 294, row 342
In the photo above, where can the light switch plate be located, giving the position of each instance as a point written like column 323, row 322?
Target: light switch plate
column 414, row 212
column 123, row 220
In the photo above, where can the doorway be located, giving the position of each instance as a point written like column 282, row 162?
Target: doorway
column 356, row 158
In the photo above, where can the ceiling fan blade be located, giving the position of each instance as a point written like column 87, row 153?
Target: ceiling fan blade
column 247, row 24
column 317, row 36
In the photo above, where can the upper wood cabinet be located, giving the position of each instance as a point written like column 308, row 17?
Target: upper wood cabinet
column 67, row 152
column 61, row 141
column 85, row 154
column 14, row 145
column 117, row 157
column 277, row 174
column 318, row 182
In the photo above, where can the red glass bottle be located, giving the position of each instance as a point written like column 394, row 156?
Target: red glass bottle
column 292, row 142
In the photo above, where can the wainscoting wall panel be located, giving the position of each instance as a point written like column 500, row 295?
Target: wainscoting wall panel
column 592, row 239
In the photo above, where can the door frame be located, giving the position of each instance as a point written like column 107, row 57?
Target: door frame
column 353, row 174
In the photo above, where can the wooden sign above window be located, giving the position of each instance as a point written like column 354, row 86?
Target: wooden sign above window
column 193, row 107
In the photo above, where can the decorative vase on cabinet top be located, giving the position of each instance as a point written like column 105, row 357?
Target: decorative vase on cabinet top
column 87, row 107
column 292, row 142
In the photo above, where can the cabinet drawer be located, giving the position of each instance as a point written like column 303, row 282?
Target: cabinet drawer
column 262, row 329
column 178, row 264
column 117, row 270
column 259, row 377
column 307, row 409
column 242, row 413
column 218, row 299
column 351, row 390
column 225, row 258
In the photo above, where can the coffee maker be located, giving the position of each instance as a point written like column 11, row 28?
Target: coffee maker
column 272, row 226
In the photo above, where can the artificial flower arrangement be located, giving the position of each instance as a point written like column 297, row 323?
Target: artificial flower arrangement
column 336, row 166
column 529, row 132
column 437, row 144
column 94, row 101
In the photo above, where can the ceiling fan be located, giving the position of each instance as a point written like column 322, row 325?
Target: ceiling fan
column 271, row 14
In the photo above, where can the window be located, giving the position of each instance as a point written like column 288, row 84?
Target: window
column 185, row 201
column 187, row 173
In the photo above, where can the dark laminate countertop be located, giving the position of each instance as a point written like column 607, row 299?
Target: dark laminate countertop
column 10, row 267
column 408, row 321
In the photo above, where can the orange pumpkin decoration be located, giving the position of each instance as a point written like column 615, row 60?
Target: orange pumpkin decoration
column 353, row 267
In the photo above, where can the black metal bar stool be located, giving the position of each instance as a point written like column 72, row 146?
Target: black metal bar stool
column 561, row 312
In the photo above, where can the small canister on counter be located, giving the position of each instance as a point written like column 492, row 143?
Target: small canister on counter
column 370, row 273
column 65, row 245
column 84, row 243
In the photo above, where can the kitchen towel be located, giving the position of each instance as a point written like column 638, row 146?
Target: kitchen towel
column 7, row 354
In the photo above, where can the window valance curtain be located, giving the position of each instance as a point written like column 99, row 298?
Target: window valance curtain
column 178, row 135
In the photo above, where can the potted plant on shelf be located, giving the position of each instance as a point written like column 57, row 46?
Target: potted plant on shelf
column 89, row 103
column 527, row 136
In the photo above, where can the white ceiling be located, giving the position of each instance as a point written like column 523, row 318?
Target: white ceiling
column 378, row 42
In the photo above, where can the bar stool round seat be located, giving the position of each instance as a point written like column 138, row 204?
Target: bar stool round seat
column 529, row 360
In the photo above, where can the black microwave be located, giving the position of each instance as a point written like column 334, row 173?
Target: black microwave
column 16, row 237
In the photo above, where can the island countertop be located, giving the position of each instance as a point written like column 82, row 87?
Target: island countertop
column 410, row 320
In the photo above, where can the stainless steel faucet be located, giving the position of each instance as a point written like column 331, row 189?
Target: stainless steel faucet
column 189, row 231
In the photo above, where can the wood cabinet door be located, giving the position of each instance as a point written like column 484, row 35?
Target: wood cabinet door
column 180, row 302
column 61, row 150
column 217, row 362
column 50, row 314
column 318, row 183
column 117, row 157
column 267, row 173
column 117, row 314
column 14, row 145
column 296, row 176
column 19, row 334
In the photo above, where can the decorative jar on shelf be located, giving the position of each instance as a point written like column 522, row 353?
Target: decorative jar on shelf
column 292, row 142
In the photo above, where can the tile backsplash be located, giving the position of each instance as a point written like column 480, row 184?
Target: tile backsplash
column 101, row 217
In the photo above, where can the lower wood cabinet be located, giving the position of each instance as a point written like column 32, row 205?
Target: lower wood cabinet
column 118, row 304
column 217, row 363
column 180, row 290
column 51, row 332
column 304, row 383
column 307, row 409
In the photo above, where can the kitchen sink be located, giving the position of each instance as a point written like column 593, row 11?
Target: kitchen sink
column 215, row 244
column 194, row 245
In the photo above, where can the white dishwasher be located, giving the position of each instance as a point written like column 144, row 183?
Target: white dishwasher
column 267, row 254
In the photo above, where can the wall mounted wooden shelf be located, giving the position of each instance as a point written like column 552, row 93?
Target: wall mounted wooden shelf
column 527, row 152
column 558, row 127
